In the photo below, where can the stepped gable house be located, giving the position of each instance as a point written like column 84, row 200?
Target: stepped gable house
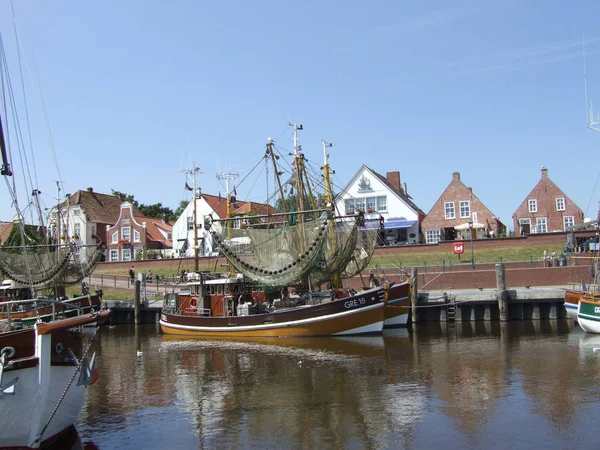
column 458, row 213
column 133, row 233
column 89, row 214
column 208, row 206
column 546, row 209
column 382, row 199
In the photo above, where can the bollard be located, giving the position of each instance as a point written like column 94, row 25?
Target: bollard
column 501, row 294
column 414, row 296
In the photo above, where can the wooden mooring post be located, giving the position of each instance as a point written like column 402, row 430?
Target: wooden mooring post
column 414, row 296
column 136, row 301
column 501, row 294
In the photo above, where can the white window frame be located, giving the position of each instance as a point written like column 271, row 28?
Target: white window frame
column 190, row 223
column 568, row 221
column 126, row 234
column 560, row 203
column 433, row 236
column 541, row 225
column 532, row 205
column 349, row 206
column 114, row 237
column 114, row 255
column 449, row 210
column 465, row 209
column 136, row 236
column 77, row 229
column 371, row 204
column 359, row 204
column 126, row 254
column 382, row 204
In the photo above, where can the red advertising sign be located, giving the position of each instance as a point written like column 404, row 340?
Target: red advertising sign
column 459, row 248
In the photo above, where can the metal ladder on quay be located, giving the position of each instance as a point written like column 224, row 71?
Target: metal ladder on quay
column 451, row 310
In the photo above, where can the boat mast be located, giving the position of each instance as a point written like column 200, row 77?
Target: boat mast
column 5, row 169
column 298, row 157
column 329, row 195
column 191, row 174
column 269, row 153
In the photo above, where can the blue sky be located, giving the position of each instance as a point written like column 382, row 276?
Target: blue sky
column 136, row 90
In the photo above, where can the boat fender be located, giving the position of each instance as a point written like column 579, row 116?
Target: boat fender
column 194, row 302
column 8, row 351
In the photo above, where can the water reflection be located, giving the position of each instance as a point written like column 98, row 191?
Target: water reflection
column 486, row 384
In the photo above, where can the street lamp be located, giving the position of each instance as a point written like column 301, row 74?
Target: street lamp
column 471, row 235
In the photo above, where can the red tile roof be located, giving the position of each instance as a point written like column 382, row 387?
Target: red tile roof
column 100, row 208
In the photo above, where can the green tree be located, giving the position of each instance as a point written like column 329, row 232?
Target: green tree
column 156, row 211
column 179, row 211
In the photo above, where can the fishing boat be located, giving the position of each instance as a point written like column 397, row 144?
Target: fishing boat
column 306, row 249
column 44, row 364
column 588, row 312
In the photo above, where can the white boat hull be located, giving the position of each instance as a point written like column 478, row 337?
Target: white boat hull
column 20, row 427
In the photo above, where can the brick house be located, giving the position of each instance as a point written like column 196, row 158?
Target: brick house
column 89, row 213
column 384, row 198
column 457, row 213
column 132, row 234
column 546, row 209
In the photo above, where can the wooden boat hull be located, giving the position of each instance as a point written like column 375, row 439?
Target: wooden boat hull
column 42, row 368
column 588, row 313
column 397, row 309
column 355, row 315
column 572, row 302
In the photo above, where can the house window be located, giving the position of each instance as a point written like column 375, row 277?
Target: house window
column 76, row 212
column 236, row 223
column 190, row 223
column 433, row 236
column 465, row 208
column 126, row 234
column 77, row 229
column 371, row 204
column 115, row 237
column 360, row 204
column 136, row 236
column 349, row 204
column 568, row 221
column 560, row 204
column 532, row 205
column 114, row 255
column 450, row 212
column 169, row 236
column 541, row 225
column 126, row 254
column 381, row 204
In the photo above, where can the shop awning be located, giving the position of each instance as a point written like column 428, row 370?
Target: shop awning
column 465, row 226
column 395, row 224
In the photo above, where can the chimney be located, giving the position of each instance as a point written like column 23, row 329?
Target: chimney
column 394, row 179
column 544, row 173
column 90, row 189
column 456, row 176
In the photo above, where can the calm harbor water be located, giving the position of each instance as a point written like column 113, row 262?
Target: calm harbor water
column 486, row 385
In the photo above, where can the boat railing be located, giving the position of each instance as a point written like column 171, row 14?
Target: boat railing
column 8, row 307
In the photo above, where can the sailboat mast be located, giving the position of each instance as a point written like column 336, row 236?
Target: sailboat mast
column 329, row 196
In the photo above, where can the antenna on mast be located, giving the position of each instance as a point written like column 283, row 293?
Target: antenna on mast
column 591, row 123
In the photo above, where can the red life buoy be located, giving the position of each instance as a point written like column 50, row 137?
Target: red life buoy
column 194, row 302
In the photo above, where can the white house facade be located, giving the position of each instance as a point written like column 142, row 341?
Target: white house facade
column 382, row 199
column 183, row 229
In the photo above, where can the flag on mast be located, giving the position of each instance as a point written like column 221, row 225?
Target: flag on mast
column 187, row 187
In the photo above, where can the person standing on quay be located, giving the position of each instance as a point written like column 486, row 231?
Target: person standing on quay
column 132, row 274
